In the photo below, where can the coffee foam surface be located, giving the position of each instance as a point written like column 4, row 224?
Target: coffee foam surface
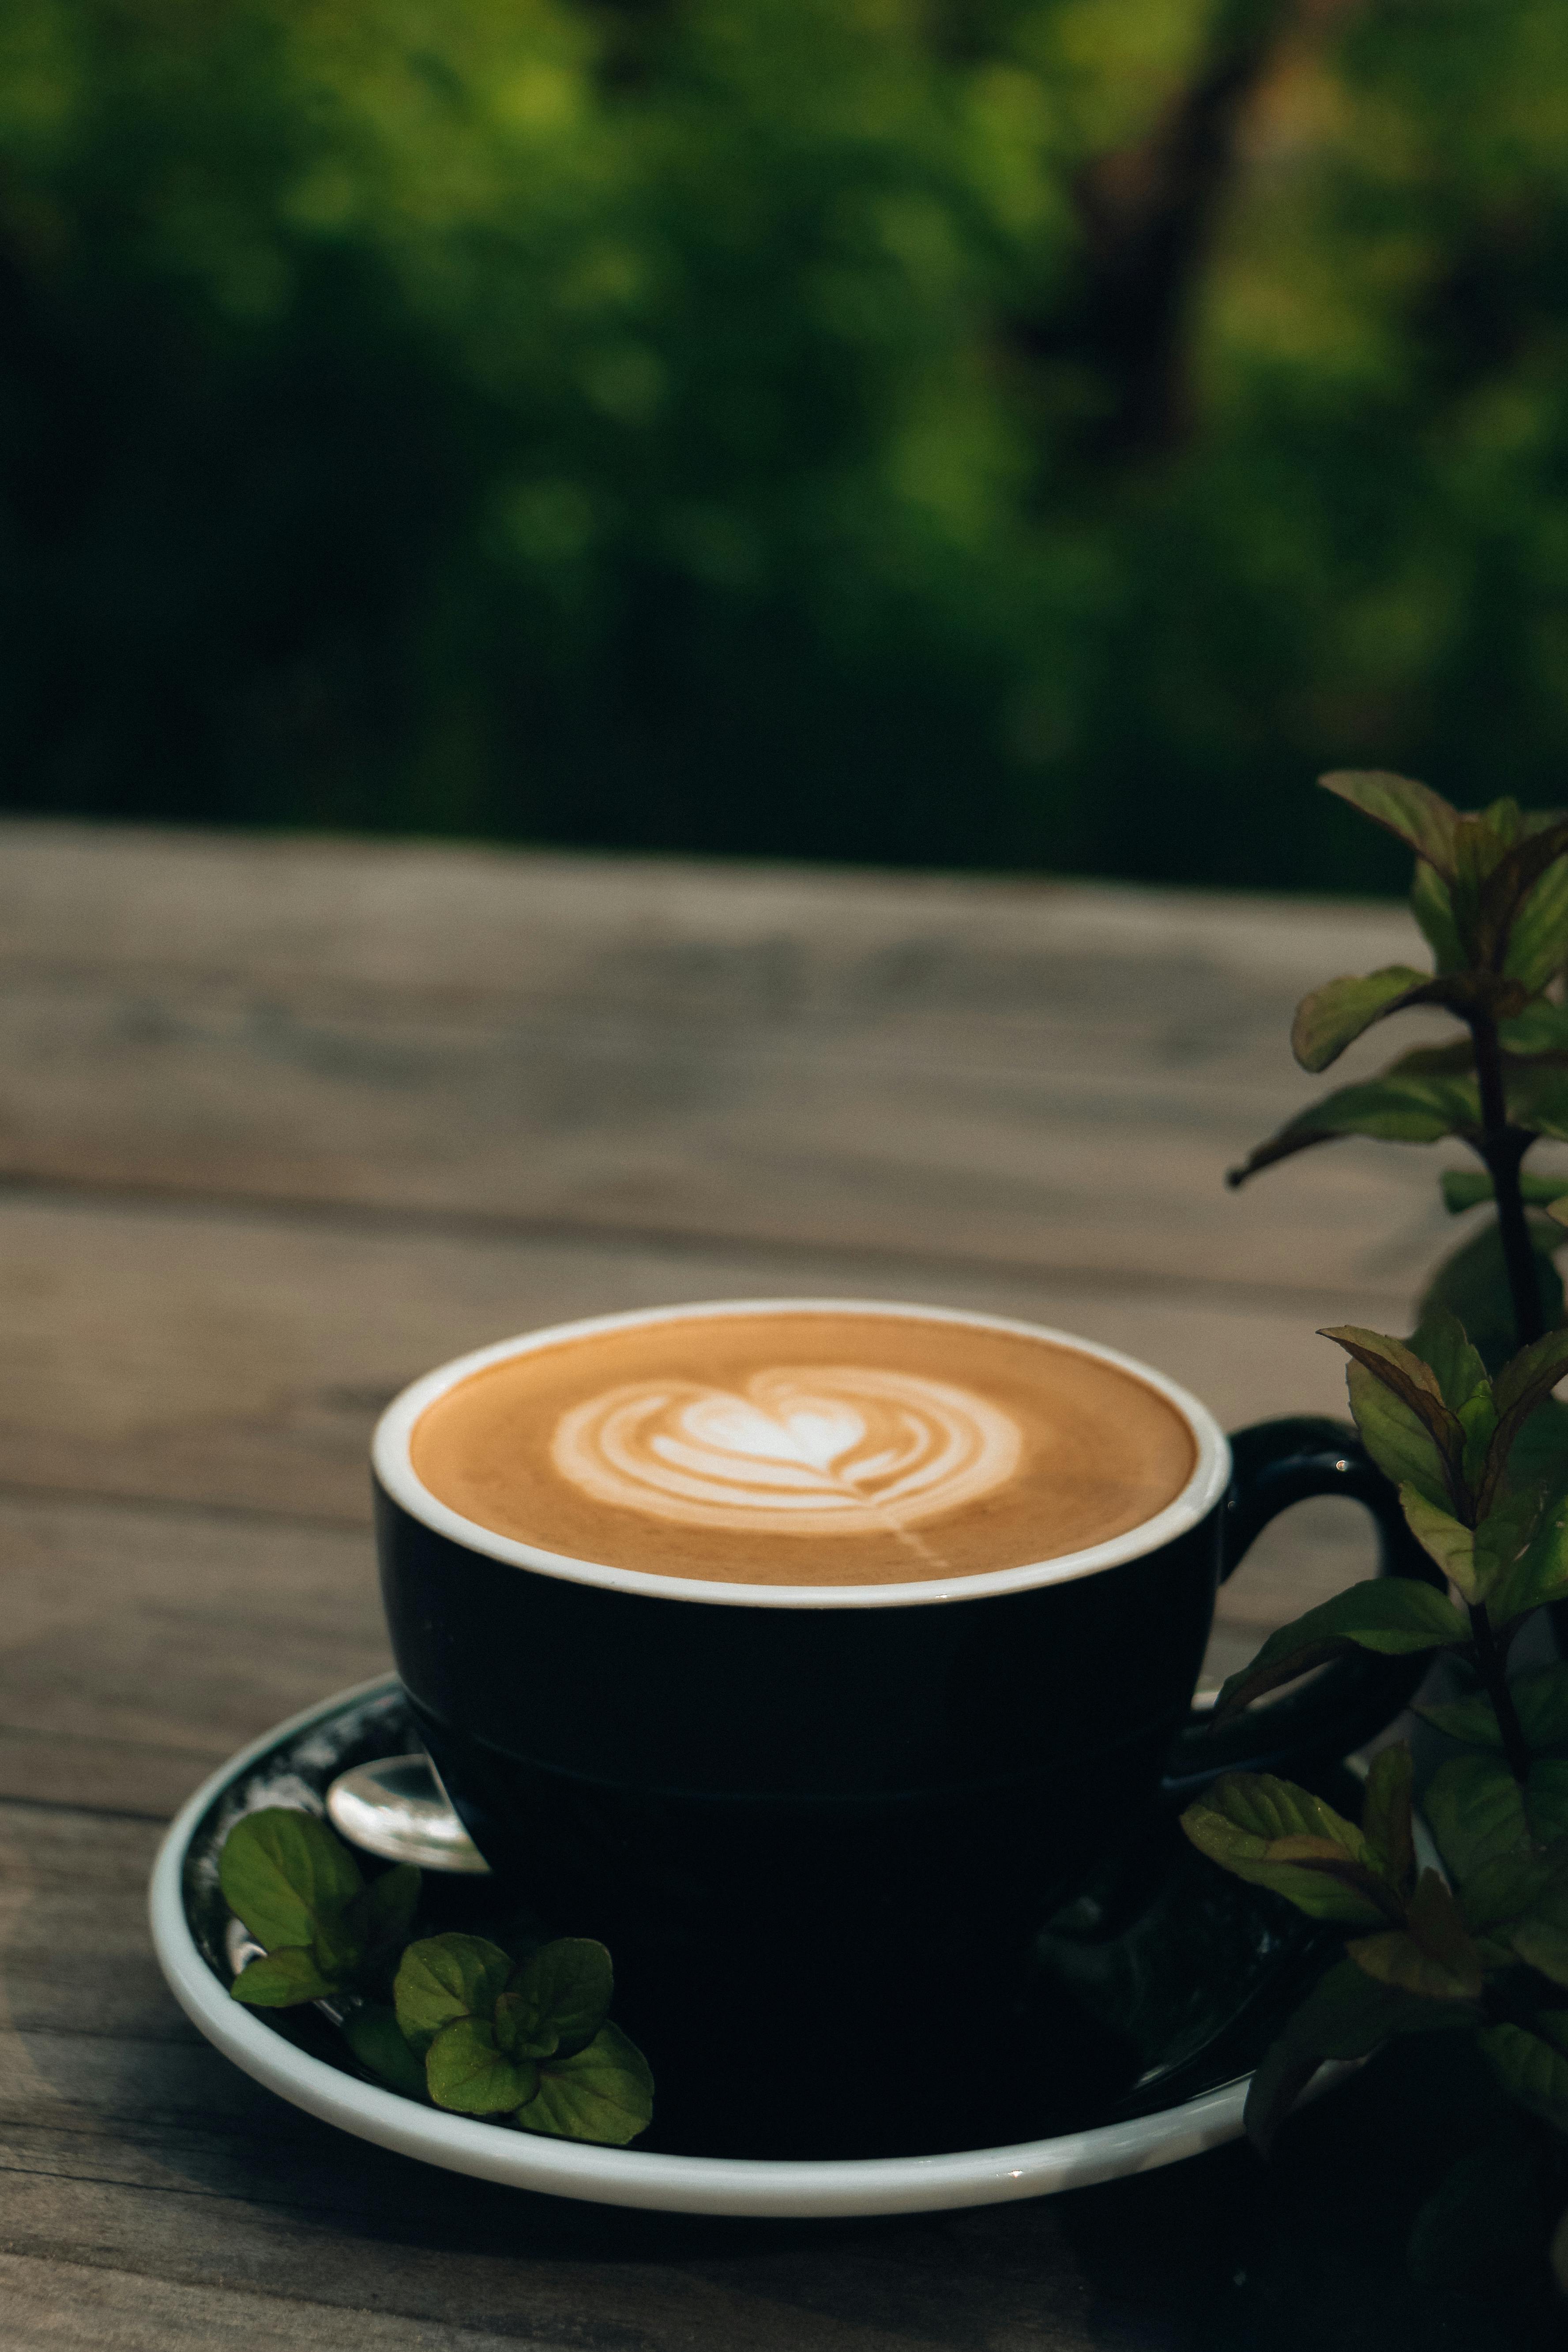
column 815, row 1447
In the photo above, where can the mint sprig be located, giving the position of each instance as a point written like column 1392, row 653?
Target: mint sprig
column 469, row 2027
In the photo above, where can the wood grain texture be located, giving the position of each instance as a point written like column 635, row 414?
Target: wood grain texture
column 281, row 1125
column 1021, row 1073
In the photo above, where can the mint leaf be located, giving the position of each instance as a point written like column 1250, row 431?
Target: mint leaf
column 1472, row 1283
column 1443, row 1539
column 466, row 2071
column 1347, row 2014
column 1274, row 1834
column 281, row 1979
column 1541, row 1703
column 1335, row 1015
column 1386, row 1811
column 603, row 2093
column 443, row 1979
column 556, row 2001
column 1415, row 1383
column 1393, row 1615
column 1519, row 1388
column 383, row 1914
column 286, row 1876
column 1420, row 817
column 1537, row 930
column 1531, row 2069
column 1433, row 1955
column 1398, row 1440
column 1441, row 1344
column 372, row 2033
column 1480, row 1817
column 1404, row 1106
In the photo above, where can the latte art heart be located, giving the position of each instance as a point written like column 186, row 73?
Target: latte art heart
column 812, row 1449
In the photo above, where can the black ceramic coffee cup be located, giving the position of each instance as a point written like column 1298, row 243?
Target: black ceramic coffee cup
column 818, row 1826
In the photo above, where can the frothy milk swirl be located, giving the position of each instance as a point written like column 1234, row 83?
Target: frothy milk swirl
column 817, row 1449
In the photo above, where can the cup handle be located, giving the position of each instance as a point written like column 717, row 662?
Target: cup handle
column 1277, row 1463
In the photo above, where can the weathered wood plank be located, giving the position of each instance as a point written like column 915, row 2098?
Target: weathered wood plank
column 1008, row 1073
column 50, row 2305
column 237, row 1360
column 140, row 1648
column 127, row 2144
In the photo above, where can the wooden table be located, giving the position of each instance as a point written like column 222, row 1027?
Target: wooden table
column 283, row 1124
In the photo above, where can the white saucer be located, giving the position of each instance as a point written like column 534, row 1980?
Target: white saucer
column 616, row 2175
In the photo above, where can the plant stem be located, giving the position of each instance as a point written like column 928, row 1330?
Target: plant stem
column 1503, row 1147
column 1492, row 1663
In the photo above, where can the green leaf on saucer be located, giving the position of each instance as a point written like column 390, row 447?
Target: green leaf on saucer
column 557, row 1999
column 281, row 1979
column 383, row 1914
column 286, row 1874
column 1532, row 2067
column 602, row 2093
column 465, row 2071
column 374, row 2035
column 1394, row 1615
column 1274, row 1834
column 443, row 1979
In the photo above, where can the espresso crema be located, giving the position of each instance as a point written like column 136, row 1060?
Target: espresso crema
column 810, row 1446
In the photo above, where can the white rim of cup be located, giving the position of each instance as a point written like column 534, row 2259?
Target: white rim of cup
column 393, row 1467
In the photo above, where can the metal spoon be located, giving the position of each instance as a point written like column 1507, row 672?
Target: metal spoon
column 398, row 1809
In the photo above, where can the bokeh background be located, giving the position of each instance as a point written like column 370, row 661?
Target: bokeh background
column 1017, row 434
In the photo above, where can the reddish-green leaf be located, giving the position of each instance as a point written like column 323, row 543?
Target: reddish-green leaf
column 1415, row 1383
column 1519, row 1388
column 1432, row 1955
column 1336, row 1015
column 1386, row 1814
column 1419, row 816
column 1400, row 1107
column 1274, row 1834
column 1394, row 1615
column 1434, row 911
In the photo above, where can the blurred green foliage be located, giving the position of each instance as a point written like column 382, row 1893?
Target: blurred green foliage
column 991, row 432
